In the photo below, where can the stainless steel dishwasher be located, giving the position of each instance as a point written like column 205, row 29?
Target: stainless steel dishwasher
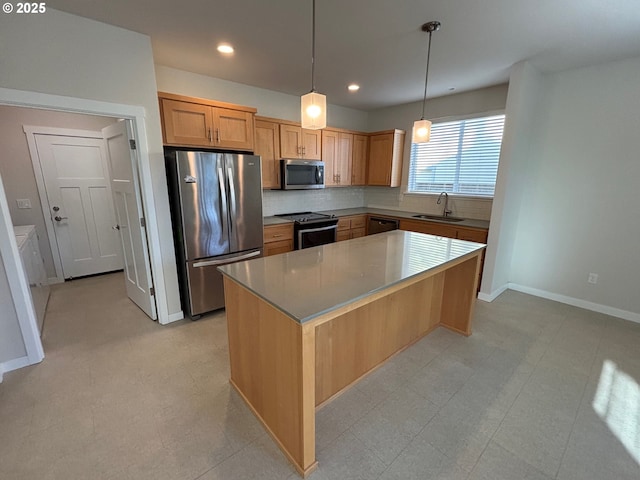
column 379, row 225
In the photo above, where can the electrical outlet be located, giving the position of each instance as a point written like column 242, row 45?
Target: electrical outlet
column 23, row 203
column 593, row 278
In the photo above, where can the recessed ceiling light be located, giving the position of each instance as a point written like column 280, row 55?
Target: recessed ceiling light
column 353, row 87
column 225, row 48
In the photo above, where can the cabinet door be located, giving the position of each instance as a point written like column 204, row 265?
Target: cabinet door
column 268, row 147
column 344, row 159
column 472, row 235
column 359, row 160
column 358, row 232
column 187, row 123
column 290, row 141
column 380, row 155
column 329, row 157
column 311, row 144
column 233, row 129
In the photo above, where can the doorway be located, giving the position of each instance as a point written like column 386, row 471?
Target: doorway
column 165, row 287
column 89, row 190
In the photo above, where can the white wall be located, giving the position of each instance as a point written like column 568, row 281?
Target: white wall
column 16, row 168
column 61, row 54
column 579, row 208
column 402, row 116
column 515, row 156
column 269, row 103
column 11, row 344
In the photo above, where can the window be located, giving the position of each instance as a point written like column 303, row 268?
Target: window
column 462, row 157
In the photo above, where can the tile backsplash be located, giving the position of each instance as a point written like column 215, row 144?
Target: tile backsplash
column 277, row 201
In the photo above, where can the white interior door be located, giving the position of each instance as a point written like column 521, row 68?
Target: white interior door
column 129, row 214
column 76, row 177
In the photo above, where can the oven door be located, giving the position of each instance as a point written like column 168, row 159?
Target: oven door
column 315, row 235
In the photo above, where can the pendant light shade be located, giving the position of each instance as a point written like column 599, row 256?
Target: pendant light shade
column 421, row 131
column 313, row 105
column 314, row 110
column 422, row 128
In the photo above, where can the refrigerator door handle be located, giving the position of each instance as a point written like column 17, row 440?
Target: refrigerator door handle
column 223, row 198
column 233, row 213
column 232, row 192
column 209, row 263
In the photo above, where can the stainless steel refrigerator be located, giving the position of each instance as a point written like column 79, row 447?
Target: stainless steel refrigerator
column 216, row 210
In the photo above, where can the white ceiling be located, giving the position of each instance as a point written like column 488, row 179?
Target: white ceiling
column 376, row 43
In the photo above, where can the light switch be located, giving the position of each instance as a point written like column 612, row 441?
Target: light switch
column 24, row 203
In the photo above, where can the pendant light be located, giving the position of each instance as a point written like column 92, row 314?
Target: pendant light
column 422, row 127
column 313, row 105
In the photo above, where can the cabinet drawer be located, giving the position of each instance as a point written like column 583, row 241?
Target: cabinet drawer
column 359, row 222
column 344, row 223
column 275, row 233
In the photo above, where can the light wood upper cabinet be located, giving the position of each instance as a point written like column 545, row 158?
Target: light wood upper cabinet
column 385, row 158
column 359, row 160
column 188, row 121
column 233, row 129
column 297, row 142
column 268, row 147
column 337, row 151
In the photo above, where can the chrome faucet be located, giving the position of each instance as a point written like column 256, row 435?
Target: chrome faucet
column 445, row 212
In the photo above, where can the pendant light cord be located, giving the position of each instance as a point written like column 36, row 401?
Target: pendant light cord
column 313, row 47
column 426, row 76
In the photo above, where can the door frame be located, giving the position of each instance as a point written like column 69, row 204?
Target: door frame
column 31, row 131
column 8, row 245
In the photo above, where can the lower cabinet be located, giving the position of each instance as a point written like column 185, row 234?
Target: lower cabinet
column 278, row 239
column 451, row 231
column 353, row 226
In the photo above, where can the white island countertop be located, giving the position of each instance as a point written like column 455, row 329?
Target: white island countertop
column 307, row 283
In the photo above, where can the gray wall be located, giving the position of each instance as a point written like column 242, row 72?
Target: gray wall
column 579, row 206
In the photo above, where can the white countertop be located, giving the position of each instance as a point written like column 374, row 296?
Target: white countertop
column 307, row 283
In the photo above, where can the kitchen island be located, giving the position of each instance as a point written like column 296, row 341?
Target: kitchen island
column 305, row 325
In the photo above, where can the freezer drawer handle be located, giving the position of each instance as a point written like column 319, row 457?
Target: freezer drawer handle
column 226, row 260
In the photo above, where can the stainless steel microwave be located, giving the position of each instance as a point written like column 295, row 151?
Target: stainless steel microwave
column 299, row 174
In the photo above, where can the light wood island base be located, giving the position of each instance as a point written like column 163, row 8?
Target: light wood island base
column 284, row 369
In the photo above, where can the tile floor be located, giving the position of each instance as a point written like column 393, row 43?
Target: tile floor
column 540, row 391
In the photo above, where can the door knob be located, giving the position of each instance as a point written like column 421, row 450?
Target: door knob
column 116, row 227
column 56, row 208
column 58, row 218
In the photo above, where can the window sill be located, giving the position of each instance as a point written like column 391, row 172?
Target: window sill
column 454, row 195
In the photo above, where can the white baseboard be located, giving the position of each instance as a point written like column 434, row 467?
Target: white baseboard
column 490, row 297
column 14, row 364
column 54, row 280
column 577, row 302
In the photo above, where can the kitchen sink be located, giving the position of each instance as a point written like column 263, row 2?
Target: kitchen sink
column 439, row 217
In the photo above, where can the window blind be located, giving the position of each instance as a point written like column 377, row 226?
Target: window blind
column 461, row 157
